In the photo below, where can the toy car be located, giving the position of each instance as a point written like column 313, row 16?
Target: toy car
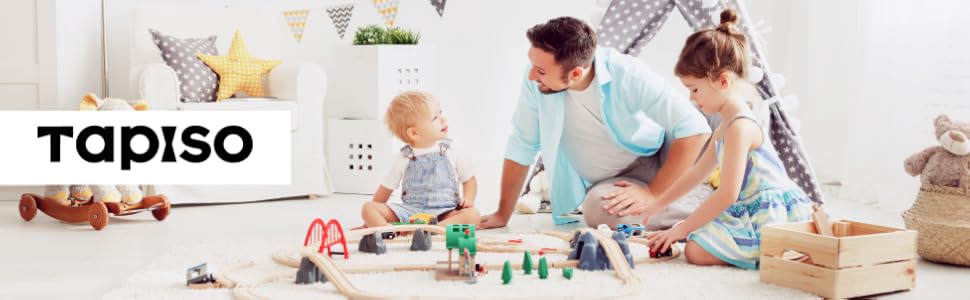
column 658, row 254
column 198, row 275
column 631, row 230
column 424, row 219
column 93, row 212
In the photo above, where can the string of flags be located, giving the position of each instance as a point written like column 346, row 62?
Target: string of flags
column 388, row 11
column 296, row 20
column 340, row 15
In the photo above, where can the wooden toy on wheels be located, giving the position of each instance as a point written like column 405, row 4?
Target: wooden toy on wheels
column 93, row 212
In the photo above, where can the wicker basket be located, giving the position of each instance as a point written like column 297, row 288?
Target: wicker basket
column 941, row 214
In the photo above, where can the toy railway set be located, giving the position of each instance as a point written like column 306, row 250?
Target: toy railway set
column 589, row 249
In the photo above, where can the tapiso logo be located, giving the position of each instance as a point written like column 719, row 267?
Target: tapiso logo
column 157, row 147
column 128, row 155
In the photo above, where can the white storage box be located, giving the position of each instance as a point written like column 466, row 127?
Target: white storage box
column 358, row 153
column 366, row 78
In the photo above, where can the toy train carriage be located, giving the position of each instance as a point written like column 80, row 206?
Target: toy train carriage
column 424, row 219
column 631, row 230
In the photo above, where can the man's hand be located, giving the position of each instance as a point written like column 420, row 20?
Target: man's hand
column 627, row 196
column 494, row 220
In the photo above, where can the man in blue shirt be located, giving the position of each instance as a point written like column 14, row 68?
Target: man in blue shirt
column 612, row 133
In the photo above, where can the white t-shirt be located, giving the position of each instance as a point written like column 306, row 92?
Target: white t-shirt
column 585, row 139
column 399, row 164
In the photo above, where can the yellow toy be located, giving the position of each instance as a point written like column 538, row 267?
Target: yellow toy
column 715, row 178
column 423, row 219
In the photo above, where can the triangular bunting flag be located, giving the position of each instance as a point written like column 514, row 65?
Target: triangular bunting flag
column 388, row 10
column 439, row 6
column 340, row 15
column 296, row 19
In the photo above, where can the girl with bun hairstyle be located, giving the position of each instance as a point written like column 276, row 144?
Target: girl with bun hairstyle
column 755, row 190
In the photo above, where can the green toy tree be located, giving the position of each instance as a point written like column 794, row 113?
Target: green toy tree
column 507, row 272
column 527, row 263
column 543, row 268
column 567, row 272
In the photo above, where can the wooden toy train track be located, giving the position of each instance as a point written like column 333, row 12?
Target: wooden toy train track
column 92, row 212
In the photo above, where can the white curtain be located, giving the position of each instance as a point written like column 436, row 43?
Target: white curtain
column 916, row 65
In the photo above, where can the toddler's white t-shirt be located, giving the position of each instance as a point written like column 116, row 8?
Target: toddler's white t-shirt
column 399, row 164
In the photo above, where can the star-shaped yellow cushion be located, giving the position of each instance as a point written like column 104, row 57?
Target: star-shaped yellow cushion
column 238, row 70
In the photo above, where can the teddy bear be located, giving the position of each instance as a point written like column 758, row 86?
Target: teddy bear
column 129, row 194
column 943, row 164
column 537, row 192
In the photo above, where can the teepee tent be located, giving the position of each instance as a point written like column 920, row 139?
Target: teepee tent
column 628, row 25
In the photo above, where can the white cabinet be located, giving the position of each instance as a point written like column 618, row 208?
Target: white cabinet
column 364, row 80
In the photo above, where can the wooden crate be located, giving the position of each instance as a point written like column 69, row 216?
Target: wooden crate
column 860, row 259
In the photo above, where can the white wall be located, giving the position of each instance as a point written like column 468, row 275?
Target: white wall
column 482, row 53
column 824, row 65
column 79, row 54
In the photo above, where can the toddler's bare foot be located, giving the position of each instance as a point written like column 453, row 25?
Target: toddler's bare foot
column 359, row 227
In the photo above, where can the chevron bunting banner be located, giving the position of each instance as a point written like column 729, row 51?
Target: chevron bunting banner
column 340, row 15
column 296, row 20
column 388, row 10
column 439, row 6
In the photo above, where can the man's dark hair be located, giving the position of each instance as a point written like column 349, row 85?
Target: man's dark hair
column 571, row 41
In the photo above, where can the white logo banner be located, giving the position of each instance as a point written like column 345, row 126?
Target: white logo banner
column 145, row 147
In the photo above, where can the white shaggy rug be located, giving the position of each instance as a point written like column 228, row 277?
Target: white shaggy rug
column 675, row 279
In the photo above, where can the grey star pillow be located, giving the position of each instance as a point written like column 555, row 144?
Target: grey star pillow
column 197, row 82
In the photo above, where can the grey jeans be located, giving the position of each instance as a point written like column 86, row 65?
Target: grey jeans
column 640, row 172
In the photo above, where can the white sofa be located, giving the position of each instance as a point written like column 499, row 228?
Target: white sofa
column 298, row 88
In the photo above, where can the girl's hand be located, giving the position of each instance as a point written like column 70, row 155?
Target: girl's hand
column 627, row 199
column 666, row 238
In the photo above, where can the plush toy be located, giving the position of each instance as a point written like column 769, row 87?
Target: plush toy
column 129, row 194
column 536, row 193
column 942, row 164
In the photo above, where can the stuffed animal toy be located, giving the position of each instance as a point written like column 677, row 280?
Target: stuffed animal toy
column 536, row 193
column 943, row 164
column 129, row 194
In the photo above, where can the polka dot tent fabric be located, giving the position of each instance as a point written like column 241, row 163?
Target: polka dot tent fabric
column 239, row 71
column 197, row 82
column 629, row 24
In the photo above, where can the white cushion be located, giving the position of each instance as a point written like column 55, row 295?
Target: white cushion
column 258, row 104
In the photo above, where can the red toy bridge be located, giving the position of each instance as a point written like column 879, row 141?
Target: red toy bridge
column 326, row 235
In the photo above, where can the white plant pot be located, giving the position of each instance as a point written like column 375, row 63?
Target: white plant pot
column 364, row 79
column 359, row 152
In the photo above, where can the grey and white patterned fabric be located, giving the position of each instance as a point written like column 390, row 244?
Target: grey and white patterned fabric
column 197, row 82
column 439, row 6
column 629, row 24
column 340, row 15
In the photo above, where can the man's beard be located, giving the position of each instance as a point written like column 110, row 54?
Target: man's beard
column 552, row 91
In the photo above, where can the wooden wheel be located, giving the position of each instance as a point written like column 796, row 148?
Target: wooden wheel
column 98, row 215
column 162, row 212
column 27, row 207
